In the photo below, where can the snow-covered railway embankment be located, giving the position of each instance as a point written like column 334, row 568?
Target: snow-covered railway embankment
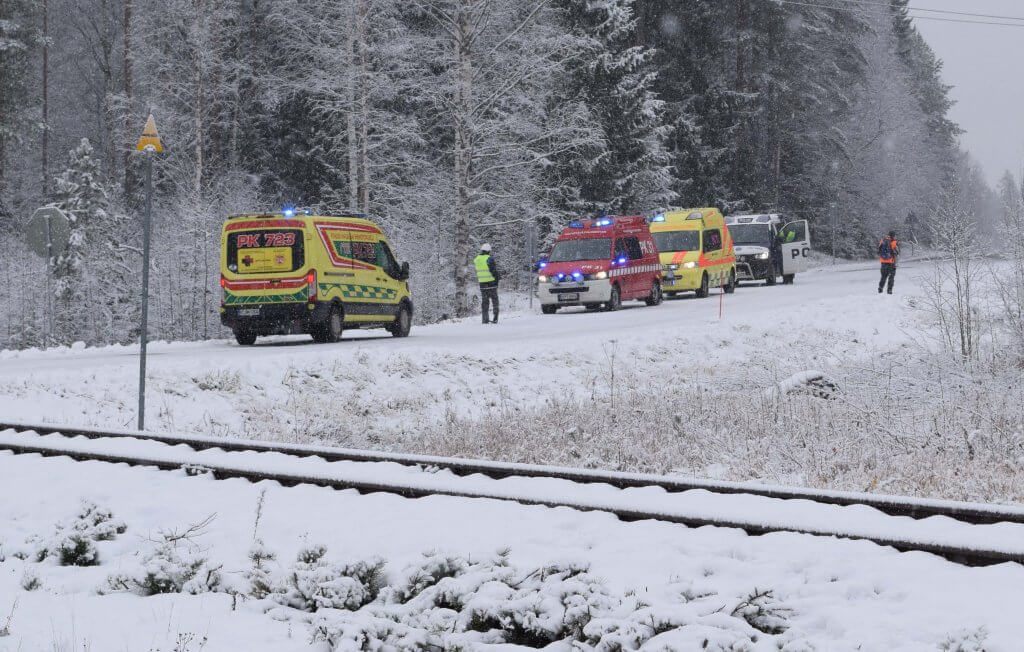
column 968, row 533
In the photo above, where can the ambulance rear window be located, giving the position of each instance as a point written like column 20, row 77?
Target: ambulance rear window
column 677, row 240
column 566, row 251
column 266, row 251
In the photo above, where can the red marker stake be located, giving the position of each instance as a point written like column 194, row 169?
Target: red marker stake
column 721, row 300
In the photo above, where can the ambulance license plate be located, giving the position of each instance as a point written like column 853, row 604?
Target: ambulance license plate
column 569, row 296
column 249, row 312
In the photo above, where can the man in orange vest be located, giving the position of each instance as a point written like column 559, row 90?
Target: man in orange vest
column 888, row 252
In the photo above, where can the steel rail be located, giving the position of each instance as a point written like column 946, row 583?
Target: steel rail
column 918, row 508
column 957, row 554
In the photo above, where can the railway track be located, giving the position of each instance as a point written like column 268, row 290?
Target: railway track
column 946, row 528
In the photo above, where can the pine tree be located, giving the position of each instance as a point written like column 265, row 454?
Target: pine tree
column 614, row 78
column 15, row 59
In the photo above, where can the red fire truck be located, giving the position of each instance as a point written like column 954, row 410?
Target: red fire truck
column 601, row 262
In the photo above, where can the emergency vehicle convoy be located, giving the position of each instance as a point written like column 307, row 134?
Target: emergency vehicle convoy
column 767, row 247
column 601, row 262
column 317, row 274
column 696, row 251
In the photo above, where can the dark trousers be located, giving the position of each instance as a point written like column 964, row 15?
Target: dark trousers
column 488, row 295
column 888, row 273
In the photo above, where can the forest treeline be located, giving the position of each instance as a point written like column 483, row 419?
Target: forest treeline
column 452, row 122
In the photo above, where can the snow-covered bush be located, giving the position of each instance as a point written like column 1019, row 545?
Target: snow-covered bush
column 30, row 580
column 175, row 564
column 315, row 583
column 74, row 542
column 258, row 574
column 965, row 641
column 763, row 612
column 451, row 603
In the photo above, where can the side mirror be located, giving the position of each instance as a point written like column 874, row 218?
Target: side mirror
column 403, row 272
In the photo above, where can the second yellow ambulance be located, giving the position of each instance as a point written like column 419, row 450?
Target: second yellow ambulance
column 695, row 250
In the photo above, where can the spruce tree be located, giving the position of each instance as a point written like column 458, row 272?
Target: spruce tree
column 15, row 59
column 614, row 78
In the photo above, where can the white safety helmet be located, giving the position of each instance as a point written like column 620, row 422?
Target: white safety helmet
column 485, row 247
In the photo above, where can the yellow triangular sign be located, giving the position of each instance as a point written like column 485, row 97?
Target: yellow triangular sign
column 150, row 140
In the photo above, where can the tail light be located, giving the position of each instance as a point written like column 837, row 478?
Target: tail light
column 311, row 284
column 223, row 282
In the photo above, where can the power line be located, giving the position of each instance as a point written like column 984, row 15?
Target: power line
column 914, row 16
column 872, row 3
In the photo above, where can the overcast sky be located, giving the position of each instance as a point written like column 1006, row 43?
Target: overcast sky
column 984, row 65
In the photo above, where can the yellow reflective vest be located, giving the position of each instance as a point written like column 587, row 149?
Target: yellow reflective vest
column 483, row 272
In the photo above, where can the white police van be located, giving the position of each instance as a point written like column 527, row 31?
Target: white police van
column 767, row 247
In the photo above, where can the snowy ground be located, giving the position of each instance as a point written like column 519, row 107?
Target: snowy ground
column 829, row 594
column 671, row 388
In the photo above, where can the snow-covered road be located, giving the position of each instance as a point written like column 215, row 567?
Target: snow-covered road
column 463, row 367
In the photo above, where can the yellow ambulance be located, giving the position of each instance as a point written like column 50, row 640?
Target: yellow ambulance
column 695, row 251
column 293, row 272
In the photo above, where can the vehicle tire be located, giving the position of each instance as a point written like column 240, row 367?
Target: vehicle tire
column 787, row 279
column 702, row 291
column 656, row 295
column 614, row 301
column 730, row 287
column 403, row 323
column 549, row 310
column 245, row 337
column 591, row 307
column 331, row 329
column 770, row 279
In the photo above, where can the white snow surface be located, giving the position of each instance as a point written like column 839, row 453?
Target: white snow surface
column 737, row 509
column 845, row 595
column 463, row 368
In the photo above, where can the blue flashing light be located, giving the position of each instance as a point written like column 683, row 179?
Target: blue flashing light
column 288, row 211
column 604, row 221
column 307, row 212
column 577, row 275
column 576, row 224
column 542, row 264
column 561, row 276
column 660, row 217
column 621, row 261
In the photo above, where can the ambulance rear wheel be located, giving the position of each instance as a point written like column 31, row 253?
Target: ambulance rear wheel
column 331, row 329
column 656, row 295
column 702, row 291
column 403, row 323
column 731, row 286
column 614, row 300
column 245, row 337
column 548, row 310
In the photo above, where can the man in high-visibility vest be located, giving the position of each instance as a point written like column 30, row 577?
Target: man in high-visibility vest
column 487, row 276
column 888, row 253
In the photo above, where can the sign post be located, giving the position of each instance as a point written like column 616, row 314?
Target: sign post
column 49, row 231
column 149, row 144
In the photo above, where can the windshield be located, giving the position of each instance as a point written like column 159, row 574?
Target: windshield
column 750, row 234
column 571, row 250
column 677, row 240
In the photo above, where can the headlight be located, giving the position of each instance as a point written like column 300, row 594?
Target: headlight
column 601, row 276
column 763, row 256
column 690, row 265
column 542, row 279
